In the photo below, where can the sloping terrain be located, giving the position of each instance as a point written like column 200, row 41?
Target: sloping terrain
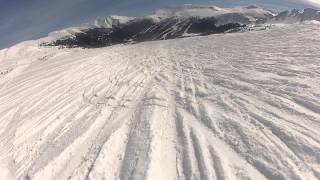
column 229, row 106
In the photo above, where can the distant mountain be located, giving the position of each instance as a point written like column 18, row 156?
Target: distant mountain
column 296, row 15
column 242, row 15
column 108, row 22
column 173, row 22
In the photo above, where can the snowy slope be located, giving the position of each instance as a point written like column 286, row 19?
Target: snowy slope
column 231, row 106
column 296, row 16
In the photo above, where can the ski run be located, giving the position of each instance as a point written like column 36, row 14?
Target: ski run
column 226, row 106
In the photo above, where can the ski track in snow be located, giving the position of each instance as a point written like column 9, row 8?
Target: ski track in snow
column 233, row 106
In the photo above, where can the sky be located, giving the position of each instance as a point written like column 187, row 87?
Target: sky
column 22, row 20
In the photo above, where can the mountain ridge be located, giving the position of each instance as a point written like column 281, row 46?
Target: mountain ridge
column 168, row 23
column 175, row 22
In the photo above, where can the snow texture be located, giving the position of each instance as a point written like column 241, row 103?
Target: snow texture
column 228, row 106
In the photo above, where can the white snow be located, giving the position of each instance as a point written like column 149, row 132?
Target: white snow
column 228, row 106
column 109, row 22
column 5, row 173
column 312, row 22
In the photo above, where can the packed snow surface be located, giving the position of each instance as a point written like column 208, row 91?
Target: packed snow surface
column 228, row 106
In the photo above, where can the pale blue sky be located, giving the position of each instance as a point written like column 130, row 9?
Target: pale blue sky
column 31, row 19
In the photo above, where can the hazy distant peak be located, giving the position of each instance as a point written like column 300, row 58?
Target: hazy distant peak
column 208, row 11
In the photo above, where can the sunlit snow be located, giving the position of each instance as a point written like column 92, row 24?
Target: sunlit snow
column 228, row 106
